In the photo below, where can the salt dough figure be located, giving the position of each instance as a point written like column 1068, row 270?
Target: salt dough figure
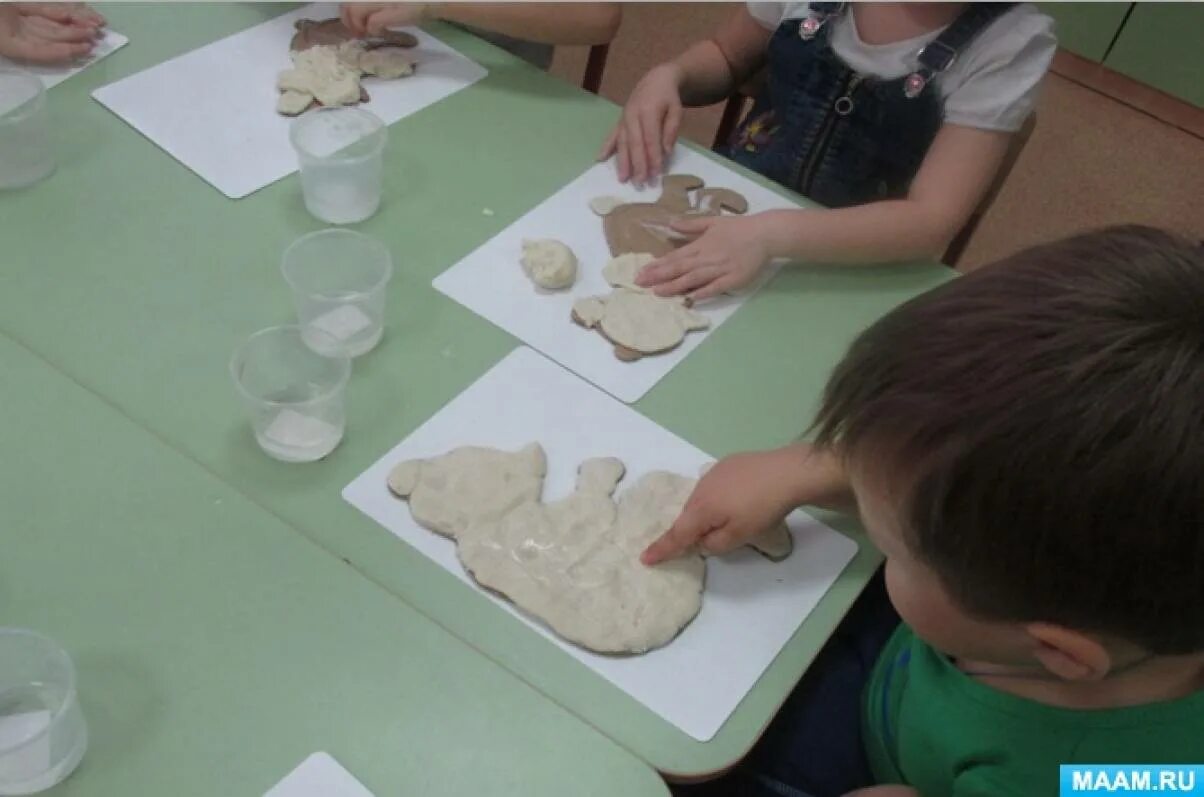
column 575, row 563
column 329, row 62
column 639, row 323
column 621, row 271
column 549, row 264
column 646, row 226
column 448, row 493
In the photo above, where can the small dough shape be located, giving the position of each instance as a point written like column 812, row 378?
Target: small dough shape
column 775, row 543
column 621, row 271
column 647, row 226
column 603, row 205
column 575, row 563
column 549, row 264
column 639, row 323
column 329, row 62
column 450, row 492
column 319, row 72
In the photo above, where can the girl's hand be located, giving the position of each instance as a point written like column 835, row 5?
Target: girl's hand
column 373, row 19
column 734, row 501
column 43, row 33
column 728, row 254
column 646, row 133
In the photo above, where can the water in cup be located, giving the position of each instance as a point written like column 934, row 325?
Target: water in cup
column 293, row 394
column 43, row 736
column 340, row 155
column 26, row 153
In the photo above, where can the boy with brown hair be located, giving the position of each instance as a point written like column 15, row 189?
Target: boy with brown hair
column 1025, row 446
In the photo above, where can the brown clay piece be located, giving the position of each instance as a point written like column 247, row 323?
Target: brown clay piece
column 646, row 226
column 333, row 32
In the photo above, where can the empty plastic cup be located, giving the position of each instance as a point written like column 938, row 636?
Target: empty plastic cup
column 340, row 153
column 338, row 279
column 26, row 152
column 293, row 395
column 42, row 731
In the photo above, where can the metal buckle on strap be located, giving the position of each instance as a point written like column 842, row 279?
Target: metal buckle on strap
column 942, row 56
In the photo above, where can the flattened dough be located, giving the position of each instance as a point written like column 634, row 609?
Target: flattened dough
column 621, row 271
column 549, row 264
column 575, row 563
column 319, row 72
column 603, row 205
column 450, row 492
column 637, row 322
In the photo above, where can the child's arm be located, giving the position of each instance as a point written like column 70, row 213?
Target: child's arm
column 730, row 251
column 748, row 493
column 548, row 23
column 707, row 72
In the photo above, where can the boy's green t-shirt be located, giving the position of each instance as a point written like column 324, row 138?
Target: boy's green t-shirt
column 930, row 726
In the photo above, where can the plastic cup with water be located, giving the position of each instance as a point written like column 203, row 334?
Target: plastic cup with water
column 26, row 151
column 340, row 153
column 338, row 279
column 42, row 731
column 294, row 396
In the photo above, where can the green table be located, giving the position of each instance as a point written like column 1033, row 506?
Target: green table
column 137, row 279
column 216, row 648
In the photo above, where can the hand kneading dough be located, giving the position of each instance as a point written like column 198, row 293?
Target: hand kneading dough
column 549, row 264
column 450, row 492
column 575, row 563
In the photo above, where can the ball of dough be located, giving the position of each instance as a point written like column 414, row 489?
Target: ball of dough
column 549, row 264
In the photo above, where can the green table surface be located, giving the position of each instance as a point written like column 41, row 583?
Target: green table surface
column 216, row 647
column 132, row 275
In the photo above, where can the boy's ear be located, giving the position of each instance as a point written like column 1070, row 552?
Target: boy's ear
column 1070, row 655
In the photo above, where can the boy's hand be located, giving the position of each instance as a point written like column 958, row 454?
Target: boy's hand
column 47, row 33
column 728, row 254
column 646, row 133
column 741, row 496
column 373, row 19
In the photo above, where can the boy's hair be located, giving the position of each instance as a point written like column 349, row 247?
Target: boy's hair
column 1044, row 417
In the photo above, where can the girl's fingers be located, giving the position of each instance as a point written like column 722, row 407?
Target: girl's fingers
column 692, row 225
column 635, row 150
column 623, row 156
column 672, row 125
column 691, row 525
column 650, row 128
column 663, row 269
column 720, row 541
column 608, row 146
column 50, row 31
column 718, row 287
column 689, row 282
column 49, row 52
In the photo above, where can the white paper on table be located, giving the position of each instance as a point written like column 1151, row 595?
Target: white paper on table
column 214, row 109
column 490, row 282
column 52, row 75
column 751, row 606
column 319, row 776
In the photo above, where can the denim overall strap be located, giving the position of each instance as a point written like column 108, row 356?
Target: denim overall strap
column 940, row 53
column 839, row 137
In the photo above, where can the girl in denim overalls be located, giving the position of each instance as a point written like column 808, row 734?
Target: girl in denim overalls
column 896, row 116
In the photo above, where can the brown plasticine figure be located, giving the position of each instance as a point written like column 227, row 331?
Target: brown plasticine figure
column 645, row 226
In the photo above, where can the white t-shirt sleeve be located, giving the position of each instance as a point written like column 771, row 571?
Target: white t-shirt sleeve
column 995, row 86
column 770, row 15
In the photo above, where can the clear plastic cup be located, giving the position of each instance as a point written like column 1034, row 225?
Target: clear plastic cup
column 293, row 395
column 340, row 152
column 338, row 279
column 42, row 731
column 26, row 151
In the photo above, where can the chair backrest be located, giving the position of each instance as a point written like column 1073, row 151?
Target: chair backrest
column 957, row 246
column 595, row 65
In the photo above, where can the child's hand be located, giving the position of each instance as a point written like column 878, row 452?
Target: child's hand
column 648, row 129
column 728, row 254
column 48, row 33
column 373, row 19
column 738, row 498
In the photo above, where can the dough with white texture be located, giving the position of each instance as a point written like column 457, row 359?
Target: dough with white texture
column 637, row 322
column 549, row 264
column 575, row 563
column 292, row 103
column 320, row 73
column 621, row 271
column 449, row 492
